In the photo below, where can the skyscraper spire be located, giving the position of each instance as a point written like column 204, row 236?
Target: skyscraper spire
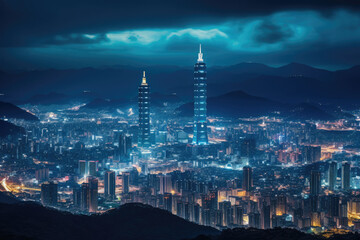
column 200, row 56
column 144, row 79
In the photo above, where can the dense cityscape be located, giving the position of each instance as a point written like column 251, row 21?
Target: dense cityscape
column 262, row 172
column 179, row 120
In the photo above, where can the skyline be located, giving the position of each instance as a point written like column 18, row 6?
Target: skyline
column 274, row 34
column 171, row 120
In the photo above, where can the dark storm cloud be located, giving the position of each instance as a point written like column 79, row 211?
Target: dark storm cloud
column 75, row 39
column 269, row 32
column 26, row 23
column 77, row 33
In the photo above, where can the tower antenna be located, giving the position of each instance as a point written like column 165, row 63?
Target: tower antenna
column 200, row 55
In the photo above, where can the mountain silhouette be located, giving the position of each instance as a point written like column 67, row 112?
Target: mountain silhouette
column 9, row 110
column 293, row 82
column 131, row 221
column 240, row 104
column 54, row 98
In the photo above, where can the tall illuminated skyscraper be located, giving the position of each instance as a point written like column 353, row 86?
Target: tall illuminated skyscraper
column 200, row 94
column 144, row 114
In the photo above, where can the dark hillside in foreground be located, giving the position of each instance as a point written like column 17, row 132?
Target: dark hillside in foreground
column 133, row 221
column 273, row 234
column 130, row 221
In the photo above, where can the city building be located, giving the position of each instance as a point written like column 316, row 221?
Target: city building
column 49, row 193
column 92, row 168
column 311, row 154
column 82, row 168
column 315, row 183
column 265, row 217
column 109, row 184
column 42, row 174
column 332, row 175
column 248, row 147
column 247, row 182
column 125, row 145
column 144, row 114
column 85, row 197
column 200, row 136
column 345, row 176
column 125, row 181
column 168, row 202
column 77, row 196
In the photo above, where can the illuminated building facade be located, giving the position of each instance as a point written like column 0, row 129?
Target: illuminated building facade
column 93, row 194
column 281, row 205
column 311, row 154
column 354, row 210
column 332, row 175
column 109, row 184
column 126, row 182
column 247, row 179
column 168, row 201
column 345, row 176
column 82, row 168
column 42, row 174
column 92, row 168
column 144, row 114
column 248, row 147
column 49, row 194
column 200, row 94
column 315, row 183
column 85, row 197
column 124, row 146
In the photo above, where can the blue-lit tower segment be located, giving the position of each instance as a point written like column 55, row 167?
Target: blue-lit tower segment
column 144, row 114
column 200, row 94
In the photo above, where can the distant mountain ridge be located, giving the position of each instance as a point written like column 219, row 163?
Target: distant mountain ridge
column 309, row 83
column 54, row 98
column 105, row 104
column 240, row 104
column 235, row 104
column 111, row 105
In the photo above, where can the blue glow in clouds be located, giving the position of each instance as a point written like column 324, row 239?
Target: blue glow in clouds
column 277, row 39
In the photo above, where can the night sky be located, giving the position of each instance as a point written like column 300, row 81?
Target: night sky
column 41, row 34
